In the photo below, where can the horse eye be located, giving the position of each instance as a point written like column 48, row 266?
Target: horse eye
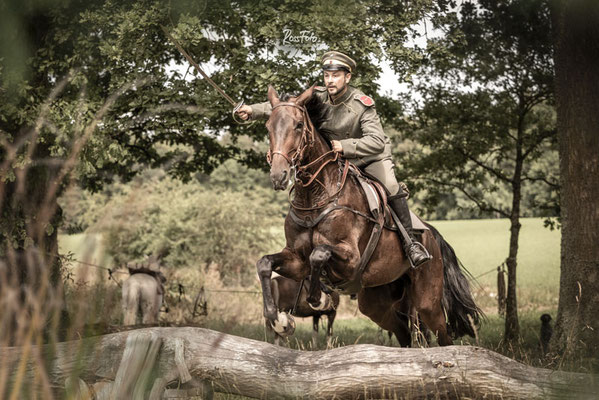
column 299, row 125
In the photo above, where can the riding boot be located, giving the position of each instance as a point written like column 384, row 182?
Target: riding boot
column 413, row 248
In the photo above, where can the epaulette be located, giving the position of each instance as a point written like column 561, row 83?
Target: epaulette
column 320, row 88
column 362, row 98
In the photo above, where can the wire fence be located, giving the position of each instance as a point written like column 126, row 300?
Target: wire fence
column 180, row 286
column 115, row 270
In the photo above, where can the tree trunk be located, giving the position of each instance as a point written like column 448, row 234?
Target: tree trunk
column 576, row 35
column 30, row 274
column 261, row 370
column 512, row 326
column 30, row 278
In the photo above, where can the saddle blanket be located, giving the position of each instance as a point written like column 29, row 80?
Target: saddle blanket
column 374, row 203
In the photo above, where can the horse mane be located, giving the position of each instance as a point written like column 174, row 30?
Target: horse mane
column 317, row 114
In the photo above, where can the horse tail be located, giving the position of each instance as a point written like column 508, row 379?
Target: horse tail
column 463, row 315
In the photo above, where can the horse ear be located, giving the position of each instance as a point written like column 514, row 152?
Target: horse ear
column 273, row 97
column 307, row 95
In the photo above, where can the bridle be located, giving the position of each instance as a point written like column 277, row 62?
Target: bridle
column 306, row 142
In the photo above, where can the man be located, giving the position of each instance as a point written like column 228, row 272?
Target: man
column 347, row 117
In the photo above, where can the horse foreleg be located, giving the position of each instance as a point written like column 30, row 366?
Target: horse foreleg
column 330, row 319
column 315, row 321
column 287, row 264
column 317, row 299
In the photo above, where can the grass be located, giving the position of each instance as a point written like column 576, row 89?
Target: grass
column 89, row 249
column 360, row 330
column 481, row 245
column 86, row 247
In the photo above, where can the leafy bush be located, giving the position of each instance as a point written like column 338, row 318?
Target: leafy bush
column 189, row 224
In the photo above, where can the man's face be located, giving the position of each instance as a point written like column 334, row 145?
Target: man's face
column 335, row 81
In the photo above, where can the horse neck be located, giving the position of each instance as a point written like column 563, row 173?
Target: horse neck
column 307, row 196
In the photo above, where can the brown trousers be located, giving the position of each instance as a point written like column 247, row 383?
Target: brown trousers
column 383, row 171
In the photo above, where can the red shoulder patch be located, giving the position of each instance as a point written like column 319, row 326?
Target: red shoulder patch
column 367, row 101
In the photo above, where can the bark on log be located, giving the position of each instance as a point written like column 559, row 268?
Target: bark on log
column 261, row 370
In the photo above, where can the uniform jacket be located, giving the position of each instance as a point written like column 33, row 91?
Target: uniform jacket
column 351, row 119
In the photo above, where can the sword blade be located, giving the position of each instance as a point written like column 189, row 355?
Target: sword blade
column 197, row 67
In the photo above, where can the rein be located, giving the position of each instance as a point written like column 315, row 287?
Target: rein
column 307, row 141
column 321, row 204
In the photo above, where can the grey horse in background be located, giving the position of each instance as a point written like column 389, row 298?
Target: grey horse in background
column 142, row 294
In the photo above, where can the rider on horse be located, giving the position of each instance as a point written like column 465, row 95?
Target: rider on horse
column 348, row 119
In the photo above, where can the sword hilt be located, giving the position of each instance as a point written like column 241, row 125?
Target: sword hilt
column 237, row 120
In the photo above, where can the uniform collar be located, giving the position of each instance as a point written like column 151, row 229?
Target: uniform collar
column 343, row 98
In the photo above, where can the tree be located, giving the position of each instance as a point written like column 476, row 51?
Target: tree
column 95, row 92
column 486, row 113
column 576, row 36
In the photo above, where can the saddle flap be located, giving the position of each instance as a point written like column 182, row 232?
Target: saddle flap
column 417, row 222
column 372, row 195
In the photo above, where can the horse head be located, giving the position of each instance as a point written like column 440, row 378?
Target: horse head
column 290, row 133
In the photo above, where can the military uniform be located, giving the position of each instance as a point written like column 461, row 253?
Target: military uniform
column 352, row 120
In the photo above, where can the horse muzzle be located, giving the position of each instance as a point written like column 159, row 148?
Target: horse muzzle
column 280, row 178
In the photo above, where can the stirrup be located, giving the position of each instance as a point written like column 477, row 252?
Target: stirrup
column 420, row 246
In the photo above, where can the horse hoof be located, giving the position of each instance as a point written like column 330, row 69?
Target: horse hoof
column 284, row 324
column 324, row 303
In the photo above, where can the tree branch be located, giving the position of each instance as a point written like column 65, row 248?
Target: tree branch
column 553, row 185
column 486, row 167
column 545, row 135
column 480, row 204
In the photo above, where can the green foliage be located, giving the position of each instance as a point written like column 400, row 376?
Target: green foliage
column 485, row 122
column 91, row 90
column 189, row 224
column 113, row 48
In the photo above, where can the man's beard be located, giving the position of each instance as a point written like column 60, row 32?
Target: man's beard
column 336, row 90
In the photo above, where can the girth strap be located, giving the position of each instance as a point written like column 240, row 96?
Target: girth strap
column 297, row 297
column 354, row 285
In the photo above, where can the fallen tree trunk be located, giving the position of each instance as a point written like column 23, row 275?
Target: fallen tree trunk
column 261, row 370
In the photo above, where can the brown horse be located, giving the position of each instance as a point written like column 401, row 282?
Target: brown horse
column 327, row 231
column 292, row 297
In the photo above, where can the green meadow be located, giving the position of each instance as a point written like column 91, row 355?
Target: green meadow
column 484, row 244
column 481, row 245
